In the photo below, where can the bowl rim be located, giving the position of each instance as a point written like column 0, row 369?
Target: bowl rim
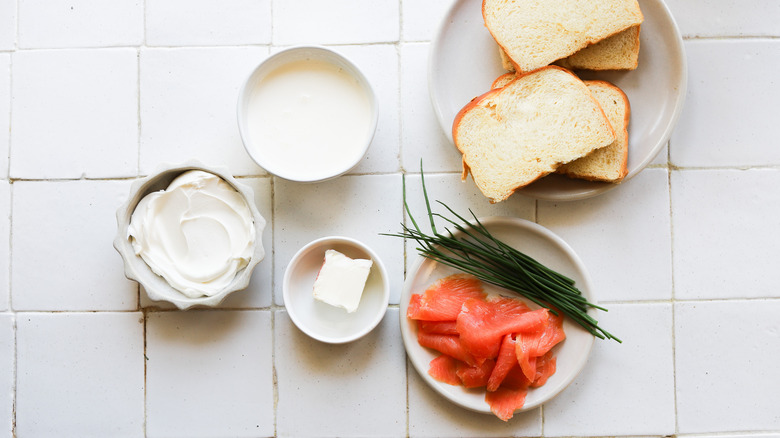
column 321, row 53
column 305, row 250
column 136, row 269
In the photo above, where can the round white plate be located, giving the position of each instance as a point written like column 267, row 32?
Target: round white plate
column 546, row 247
column 464, row 62
column 322, row 321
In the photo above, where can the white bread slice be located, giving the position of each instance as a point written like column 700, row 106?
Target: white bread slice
column 512, row 136
column 618, row 52
column 610, row 163
column 535, row 33
column 502, row 80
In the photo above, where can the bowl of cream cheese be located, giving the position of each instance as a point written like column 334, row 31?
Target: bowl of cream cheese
column 190, row 234
column 307, row 114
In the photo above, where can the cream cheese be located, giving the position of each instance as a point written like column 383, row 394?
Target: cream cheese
column 197, row 234
column 341, row 280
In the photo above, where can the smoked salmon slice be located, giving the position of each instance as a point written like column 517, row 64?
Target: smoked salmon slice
column 505, row 401
column 444, row 299
column 541, row 342
column 444, row 369
column 482, row 324
column 506, row 360
column 475, row 376
column 545, row 367
column 510, row 396
column 530, row 346
column 438, row 327
column 446, row 344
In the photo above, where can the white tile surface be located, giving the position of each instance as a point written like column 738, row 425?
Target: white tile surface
column 63, row 256
column 726, row 17
column 7, row 377
column 360, row 386
column 209, row 373
column 726, row 362
column 421, row 19
column 207, row 23
column 731, row 82
column 379, row 62
column 625, row 389
column 5, row 242
column 5, row 112
column 75, row 113
column 93, row 96
column 335, row 22
column 305, row 212
column 87, row 23
column 614, row 232
column 188, row 106
column 7, row 24
column 725, row 242
column 421, row 135
column 80, row 374
column 431, row 415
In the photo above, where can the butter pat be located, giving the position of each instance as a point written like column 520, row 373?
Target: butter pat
column 341, row 280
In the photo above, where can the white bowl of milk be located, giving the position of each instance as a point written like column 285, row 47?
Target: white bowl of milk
column 307, row 114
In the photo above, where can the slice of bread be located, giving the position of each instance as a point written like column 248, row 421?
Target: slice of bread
column 618, row 52
column 502, row 80
column 610, row 163
column 512, row 136
column 535, row 33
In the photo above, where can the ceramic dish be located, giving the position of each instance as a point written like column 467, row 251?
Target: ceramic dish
column 322, row 321
column 464, row 62
column 307, row 106
column 541, row 244
column 136, row 269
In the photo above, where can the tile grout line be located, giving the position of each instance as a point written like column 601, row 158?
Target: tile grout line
column 10, row 111
column 138, row 125
column 669, row 171
column 143, row 44
column 15, row 372
column 274, row 377
column 146, row 360
column 15, row 375
column 402, row 174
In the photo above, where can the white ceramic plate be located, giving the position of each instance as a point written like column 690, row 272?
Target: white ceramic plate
column 325, row 322
column 464, row 62
column 546, row 247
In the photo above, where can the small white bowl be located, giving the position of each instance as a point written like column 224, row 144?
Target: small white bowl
column 289, row 167
column 324, row 322
column 136, row 269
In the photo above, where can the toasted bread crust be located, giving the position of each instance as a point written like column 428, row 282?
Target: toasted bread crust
column 493, row 181
column 572, row 169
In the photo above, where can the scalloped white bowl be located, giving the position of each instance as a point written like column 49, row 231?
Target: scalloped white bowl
column 136, row 268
